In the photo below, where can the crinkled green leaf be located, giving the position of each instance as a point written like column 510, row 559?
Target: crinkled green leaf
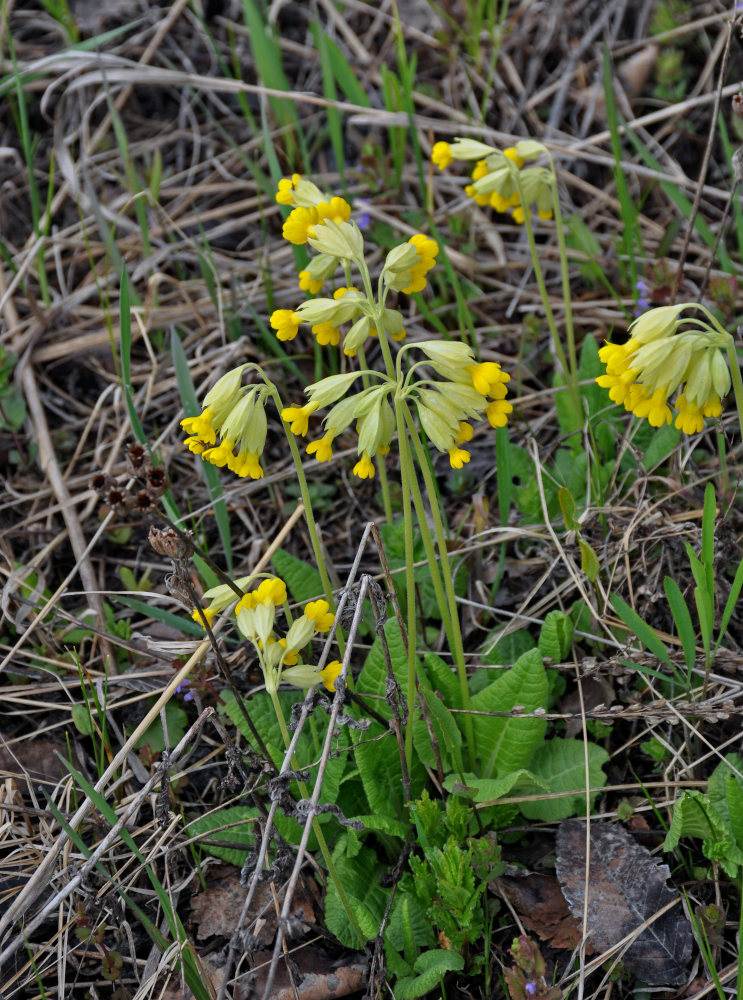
column 504, row 745
column 490, row 790
column 508, row 648
column 445, row 732
column 241, row 823
column 431, row 967
column 359, row 877
column 556, row 636
column 561, row 766
column 302, row 580
column 695, row 816
column 373, row 676
column 443, row 679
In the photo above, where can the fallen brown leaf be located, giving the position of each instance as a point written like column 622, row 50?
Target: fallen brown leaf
column 542, row 908
column 626, row 887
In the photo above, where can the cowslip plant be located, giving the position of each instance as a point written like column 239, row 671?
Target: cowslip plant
column 502, row 180
column 433, row 388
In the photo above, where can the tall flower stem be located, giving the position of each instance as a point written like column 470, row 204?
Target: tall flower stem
column 456, row 632
column 316, row 828
column 308, row 512
column 383, row 481
column 570, row 370
column 737, row 382
column 406, row 468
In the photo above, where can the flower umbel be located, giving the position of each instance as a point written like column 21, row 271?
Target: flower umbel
column 670, row 352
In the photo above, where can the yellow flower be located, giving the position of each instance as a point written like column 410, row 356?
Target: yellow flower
column 441, row 155
column 300, row 225
column 364, row 468
column 326, row 334
column 336, row 210
column 458, row 457
column 200, row 427
column 497, row 412
column 330, row 673
column 298, row 417
column 322, row 449
column 285, row 193
column 427, row 250
column 246, row 463
column 319, row 612
column 286, row 323
column 690, row 418
column 309, row 284
column 655, row 408
column 195, row 444
column 488, row 375
column 289, row 658
column 272, row 590
column 222, row 455
column 208, row 614
column 465, row 432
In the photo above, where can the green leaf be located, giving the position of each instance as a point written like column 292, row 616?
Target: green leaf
column 359, row 877
column 373, row 676
column 378, row 761
column 409, row 929
column 508, row 648
column 176, row 720
column 561, row 765
column 556, row 636
column 682, row 618
column 589, row 562
column 431, row 967
column 695, row 816
column 662, row 443
column 445, row 731
column 443, row 679
column 308, row 748
column 568, row 508
column 488, row 791
column 81, row 720
column 236, row 825
column 506, row 744
column 643, row 632
column 304, row 581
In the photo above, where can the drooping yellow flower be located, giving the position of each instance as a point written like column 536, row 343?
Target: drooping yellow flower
column 330, row 674
column 319, row 612
column 298, row 417
column 458, row 457
column 364, row 468
column 322, row 449
column 426, row 249
column 199, row 618
column 309, row 284
column 667, row 353
column 497, row 412
column 441, row 155
column 286, row 323
column 286, row 186
column 300, row 225
column 326, row 334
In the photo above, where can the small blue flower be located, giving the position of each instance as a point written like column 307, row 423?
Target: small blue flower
column 643, row 289
column 531, row 989
column 363, row 219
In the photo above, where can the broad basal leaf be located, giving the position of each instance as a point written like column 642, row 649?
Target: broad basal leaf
column 359, row 877
column 506, row 744
column 561, row 766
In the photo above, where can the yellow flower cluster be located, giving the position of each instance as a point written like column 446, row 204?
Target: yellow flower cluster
column 471, row 391
column 498, row 174
column 255, row 613
column 236, row 413
column 668, row 352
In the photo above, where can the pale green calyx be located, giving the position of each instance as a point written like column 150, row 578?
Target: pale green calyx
column 338, row 239
column 329, row 389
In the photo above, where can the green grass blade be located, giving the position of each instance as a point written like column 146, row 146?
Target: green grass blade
column 643, row 631
column 211, row 475
column 125, row 324
column 730, row 603
column 682, row 619
column 631, row 235
column 330, row 91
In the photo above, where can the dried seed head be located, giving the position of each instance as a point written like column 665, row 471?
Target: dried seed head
column 737, row 105
column 157, row 480
column 143, row 501
column 100, row 483
column 167, row 542
column 117, row 498
column 137, row 460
